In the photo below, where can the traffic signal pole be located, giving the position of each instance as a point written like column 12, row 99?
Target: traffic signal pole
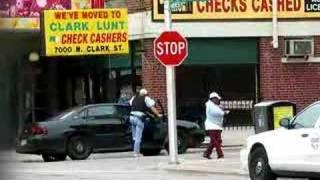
column 171, row 94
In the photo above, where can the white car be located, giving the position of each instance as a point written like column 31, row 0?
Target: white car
column 290, row 151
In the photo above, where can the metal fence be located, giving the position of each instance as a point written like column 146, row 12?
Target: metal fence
column 240, row 115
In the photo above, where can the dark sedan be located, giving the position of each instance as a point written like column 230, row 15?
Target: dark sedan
column 80, row 131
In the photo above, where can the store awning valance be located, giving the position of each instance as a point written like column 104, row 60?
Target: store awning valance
column 204, row 51
column 120, row 61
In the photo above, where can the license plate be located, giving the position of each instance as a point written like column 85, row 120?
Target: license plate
column 23, row 142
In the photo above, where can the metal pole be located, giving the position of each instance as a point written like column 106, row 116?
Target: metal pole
column 167, row 15
column 171, row 95
column 33, row 92
column 275, row 23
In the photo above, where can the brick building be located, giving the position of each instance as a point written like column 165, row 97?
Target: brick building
column 297, row 81
column 247, row 69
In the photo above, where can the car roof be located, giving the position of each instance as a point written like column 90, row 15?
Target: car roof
column 316, row 102
column 106, row 104
column 309, row 105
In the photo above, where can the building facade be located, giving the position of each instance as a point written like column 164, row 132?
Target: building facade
column 235, row 57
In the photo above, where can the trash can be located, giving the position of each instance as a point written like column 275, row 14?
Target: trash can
column 267, row 114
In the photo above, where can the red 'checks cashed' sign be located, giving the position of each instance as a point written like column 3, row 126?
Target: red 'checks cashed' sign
column 236, row 9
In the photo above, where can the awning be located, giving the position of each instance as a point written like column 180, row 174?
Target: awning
column 121, row 61
column 204, row 51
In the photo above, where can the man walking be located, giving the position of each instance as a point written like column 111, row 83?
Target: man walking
column 140, row 105
column 213, row 124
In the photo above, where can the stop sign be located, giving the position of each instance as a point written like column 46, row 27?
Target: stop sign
column 170, row 48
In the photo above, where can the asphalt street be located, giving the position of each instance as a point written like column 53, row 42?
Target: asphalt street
column 122, row 166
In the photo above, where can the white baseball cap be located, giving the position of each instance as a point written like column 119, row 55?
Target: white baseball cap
column 214, row 95
column 143, row 92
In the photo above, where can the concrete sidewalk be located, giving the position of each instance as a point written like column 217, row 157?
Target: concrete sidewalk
column 236, row 136
column 233, row 139
column 230, row 165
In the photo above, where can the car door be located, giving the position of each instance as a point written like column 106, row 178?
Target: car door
column 123, row 112
column 152, row 130
column 312, row 156
column 297, row 149
column 108, row 127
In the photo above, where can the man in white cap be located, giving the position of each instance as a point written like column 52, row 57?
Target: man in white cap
column 140, row 105
column 213, row 124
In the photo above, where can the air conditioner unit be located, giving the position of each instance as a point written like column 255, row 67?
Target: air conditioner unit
column 299, row 47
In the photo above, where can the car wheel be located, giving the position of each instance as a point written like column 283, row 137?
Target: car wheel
column 259, row 168
column 53, row 157
column 181, row 141
column 150, row 152
column 79, row 148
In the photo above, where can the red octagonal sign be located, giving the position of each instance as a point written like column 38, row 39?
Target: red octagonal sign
column 170, row 48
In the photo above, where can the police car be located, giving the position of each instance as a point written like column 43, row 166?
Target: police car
column 293, row 150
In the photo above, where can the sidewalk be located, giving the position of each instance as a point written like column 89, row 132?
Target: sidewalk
column 236, row 136
column 227, row 166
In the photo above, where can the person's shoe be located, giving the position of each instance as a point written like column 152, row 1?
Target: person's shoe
column 221, row 157
column 137, row 155
column 206, row 156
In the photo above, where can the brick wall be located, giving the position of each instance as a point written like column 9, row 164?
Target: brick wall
column 297, row 82
column 153, row 74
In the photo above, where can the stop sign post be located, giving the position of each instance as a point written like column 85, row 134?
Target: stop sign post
column 171, row 49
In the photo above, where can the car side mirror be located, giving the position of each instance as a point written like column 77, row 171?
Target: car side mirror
column 285, row 122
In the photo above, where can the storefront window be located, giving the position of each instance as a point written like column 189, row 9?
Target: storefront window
column 114, row 3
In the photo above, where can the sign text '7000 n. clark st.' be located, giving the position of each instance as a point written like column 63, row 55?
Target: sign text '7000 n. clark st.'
column 85, row 32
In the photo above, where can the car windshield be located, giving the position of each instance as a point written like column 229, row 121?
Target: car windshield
column 307, row 118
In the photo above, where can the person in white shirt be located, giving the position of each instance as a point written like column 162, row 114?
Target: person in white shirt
column 214, row 125
column 140, row 105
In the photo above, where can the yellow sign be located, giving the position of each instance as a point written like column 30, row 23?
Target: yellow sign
column 85, row 32
column 236, row 9
column 281, row 112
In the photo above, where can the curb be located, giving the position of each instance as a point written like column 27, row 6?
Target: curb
column 204, row 145
column 230, row 173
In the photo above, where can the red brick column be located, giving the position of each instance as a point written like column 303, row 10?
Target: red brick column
column 96, row 4
column 296, row 82
column 153, row 74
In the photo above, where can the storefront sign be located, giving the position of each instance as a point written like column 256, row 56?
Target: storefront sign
column 236, row 9
column 24, row 14
column 85, row 32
